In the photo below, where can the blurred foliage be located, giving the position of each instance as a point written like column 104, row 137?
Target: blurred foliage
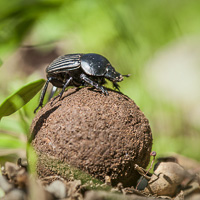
column 21, row 97
column 128, row 33
column 18, row 17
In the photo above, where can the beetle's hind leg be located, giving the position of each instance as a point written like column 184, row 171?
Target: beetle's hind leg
column 91, row 82
column 43, row 94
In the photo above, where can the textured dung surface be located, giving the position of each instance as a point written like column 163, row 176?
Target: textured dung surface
column 102, row 135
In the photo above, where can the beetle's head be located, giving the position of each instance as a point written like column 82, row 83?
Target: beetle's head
column 112, row 75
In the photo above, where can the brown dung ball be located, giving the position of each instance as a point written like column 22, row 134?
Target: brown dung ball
column 101, row 135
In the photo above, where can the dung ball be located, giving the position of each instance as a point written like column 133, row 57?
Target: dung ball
column 102, row 135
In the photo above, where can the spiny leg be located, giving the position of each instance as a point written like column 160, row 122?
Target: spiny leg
column 63, row 89
column 116, row 85
column 43, row 93
column 91, row 82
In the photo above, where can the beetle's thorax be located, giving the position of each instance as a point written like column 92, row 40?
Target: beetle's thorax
column 94, row 64
column 112, row 75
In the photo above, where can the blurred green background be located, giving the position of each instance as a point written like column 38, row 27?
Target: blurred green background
column 157, row 42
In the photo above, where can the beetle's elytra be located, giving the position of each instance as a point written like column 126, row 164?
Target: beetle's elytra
column 80, row 70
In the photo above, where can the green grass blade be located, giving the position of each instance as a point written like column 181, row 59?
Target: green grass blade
column 19, row 98
column 1, row 62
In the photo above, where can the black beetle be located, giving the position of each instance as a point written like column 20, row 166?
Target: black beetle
column 79, row 70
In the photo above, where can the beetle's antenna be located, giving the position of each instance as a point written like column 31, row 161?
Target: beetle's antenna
column 127, row 75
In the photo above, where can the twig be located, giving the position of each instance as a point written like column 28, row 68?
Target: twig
column 142, row 171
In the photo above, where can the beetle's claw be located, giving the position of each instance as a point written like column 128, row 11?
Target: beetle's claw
column 60, row 97
column 106, row 93
column 117, row 89
column 116, row 86
column 37, row 108
column 54, row 100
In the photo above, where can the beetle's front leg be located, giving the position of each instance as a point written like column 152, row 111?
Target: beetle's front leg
column 91, row 82
column 115, row 85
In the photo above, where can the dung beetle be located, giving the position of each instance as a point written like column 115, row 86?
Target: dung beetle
column 80, row 70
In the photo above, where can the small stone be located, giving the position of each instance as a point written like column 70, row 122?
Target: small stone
column 166, row 179
column 102, row 195
column 15, row 194
column 37, row 191
column 73, row 187
column 4, row 185
column 57, row 188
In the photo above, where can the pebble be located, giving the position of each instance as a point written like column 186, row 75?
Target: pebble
column 4, row 185
column 57, row 188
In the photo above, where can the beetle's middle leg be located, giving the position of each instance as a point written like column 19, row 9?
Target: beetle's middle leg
column 63, row 89
column 91, row 82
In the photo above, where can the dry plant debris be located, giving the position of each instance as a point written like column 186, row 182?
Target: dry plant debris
column 18, row 184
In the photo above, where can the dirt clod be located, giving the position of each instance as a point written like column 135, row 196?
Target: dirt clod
column 101, row 135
